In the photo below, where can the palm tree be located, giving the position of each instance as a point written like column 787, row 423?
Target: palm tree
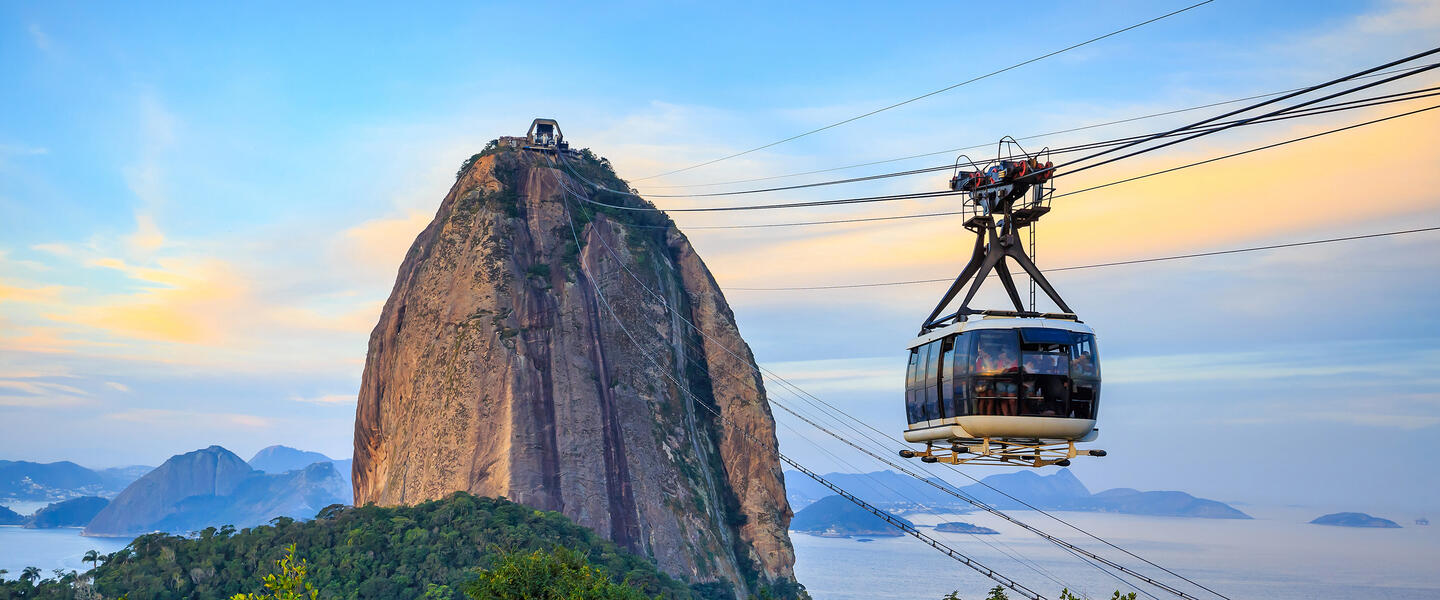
column 30, row 574
column 93, row 558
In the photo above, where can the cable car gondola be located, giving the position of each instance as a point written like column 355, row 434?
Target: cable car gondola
column 1010, row 387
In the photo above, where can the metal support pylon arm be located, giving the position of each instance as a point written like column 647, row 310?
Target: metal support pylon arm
column 963, row 278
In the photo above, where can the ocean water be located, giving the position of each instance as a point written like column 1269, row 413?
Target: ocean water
column 1278, row 555
column 49, row 549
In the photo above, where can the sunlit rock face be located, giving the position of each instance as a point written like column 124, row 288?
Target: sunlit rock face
column 497, row 367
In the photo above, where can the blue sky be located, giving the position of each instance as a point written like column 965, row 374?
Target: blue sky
column 204, row 206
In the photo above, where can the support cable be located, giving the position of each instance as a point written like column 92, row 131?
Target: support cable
column 898, row 524
column 1251, row 107
column 952, row 151
column 1071, row 548
column 929, row 94
column 870, row 480
column 1296, row 114
column 1106, row 264
column 937, row 194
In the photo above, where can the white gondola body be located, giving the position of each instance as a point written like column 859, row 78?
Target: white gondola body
column 1069, row 421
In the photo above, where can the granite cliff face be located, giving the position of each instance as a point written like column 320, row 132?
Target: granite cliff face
column 498, row 368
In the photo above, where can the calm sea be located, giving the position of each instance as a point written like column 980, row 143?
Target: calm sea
column 1276, row 556
column 49, row 549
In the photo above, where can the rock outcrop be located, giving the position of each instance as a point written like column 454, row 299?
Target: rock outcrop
column 212, row 470
column 519, row 357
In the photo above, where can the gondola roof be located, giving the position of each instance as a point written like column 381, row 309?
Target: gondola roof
column 991, row 322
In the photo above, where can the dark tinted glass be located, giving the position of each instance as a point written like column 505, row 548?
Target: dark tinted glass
column 996, row 352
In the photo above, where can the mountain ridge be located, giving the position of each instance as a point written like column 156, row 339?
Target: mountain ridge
column 212, row 487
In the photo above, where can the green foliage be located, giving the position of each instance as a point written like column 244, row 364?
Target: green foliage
column 997, row 593
column 430, row 550
column 469, row 162
column 558, row 574
column 288, row 584
column 491, row 147
column 538, row 270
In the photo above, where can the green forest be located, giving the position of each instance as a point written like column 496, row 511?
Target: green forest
column 454, row 548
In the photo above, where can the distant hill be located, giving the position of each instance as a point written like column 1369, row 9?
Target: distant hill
column 1060, row 490
column 213, row 487
column 1162, row 504
column 279, row 459
column 10, row 517
column 260, row 498
column 76, row 512
column 31, row 481
column 834, row 516
column 1355, row 519
column 963, row 527
column 882, row 487
column 138, row 509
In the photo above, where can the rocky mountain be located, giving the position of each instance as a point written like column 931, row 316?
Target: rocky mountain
column 213, row 487
column 76, row 512
column 1057, row 490
column 259, row 498
column 279, row 459
column 211, row 471
column 1060, row 490
column 516, row 359
column 1354, row 519
column 834, row 516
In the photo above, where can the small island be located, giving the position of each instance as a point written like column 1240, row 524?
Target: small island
column 963, row 527
column 834, row 516
column 1354, row 519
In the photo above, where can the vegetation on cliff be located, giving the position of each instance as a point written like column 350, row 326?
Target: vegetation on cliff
column 434, row 549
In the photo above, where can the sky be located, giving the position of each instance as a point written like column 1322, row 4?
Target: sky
column 202, row 209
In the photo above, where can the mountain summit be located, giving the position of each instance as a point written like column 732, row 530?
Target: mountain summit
column 502, row 367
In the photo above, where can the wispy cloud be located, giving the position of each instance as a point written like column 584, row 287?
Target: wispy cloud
column 40, row 38
column 187, row 418
column 326, row 399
